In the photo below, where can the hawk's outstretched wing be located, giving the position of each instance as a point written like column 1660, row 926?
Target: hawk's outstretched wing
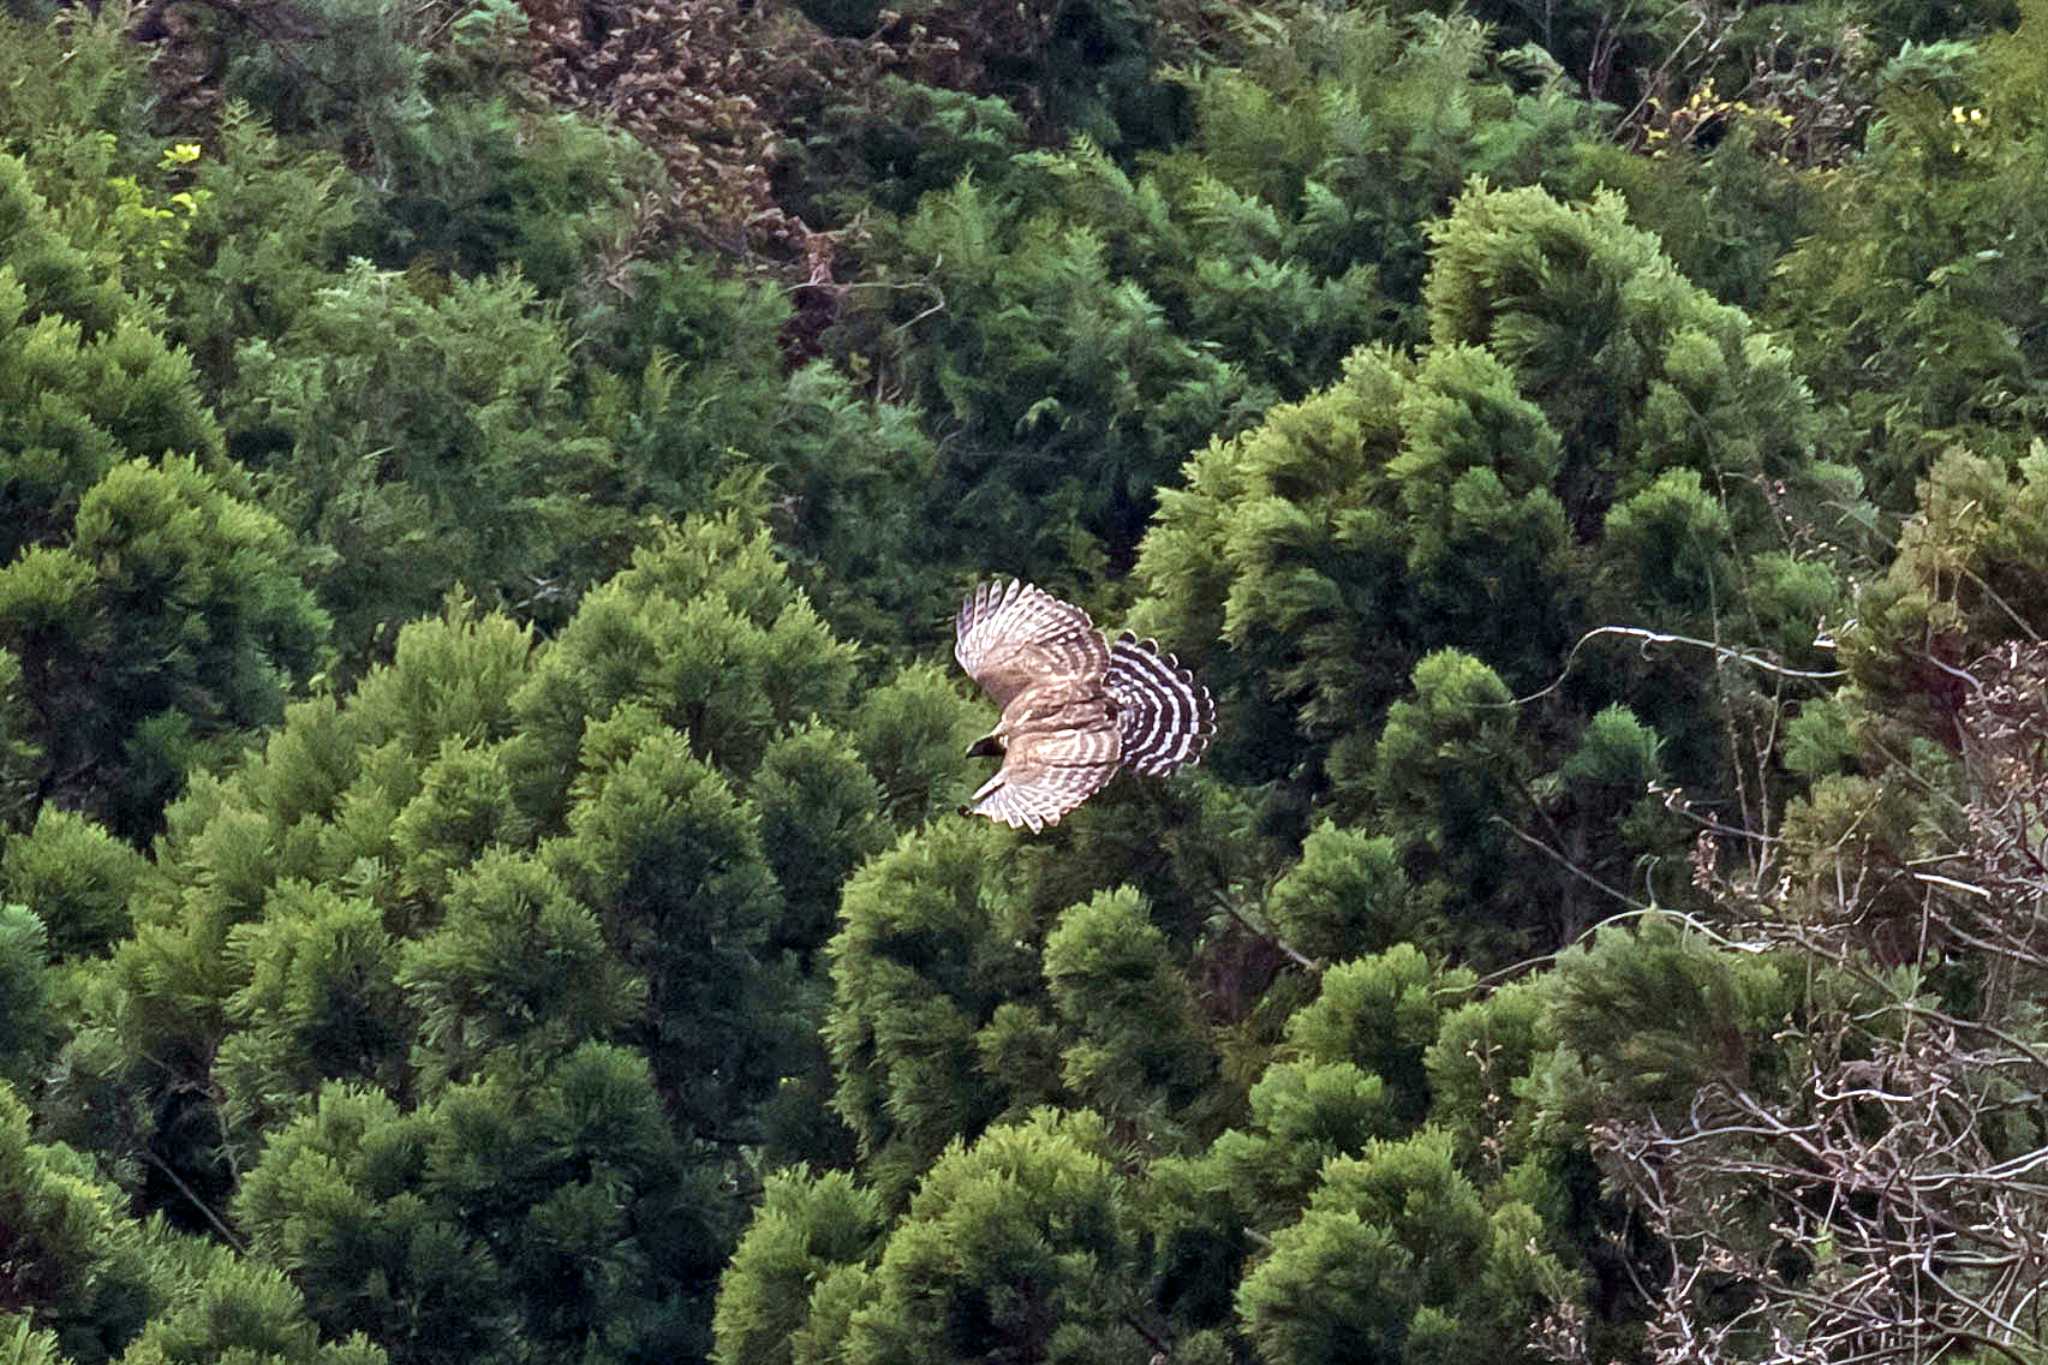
column 1166, row 718
column 1047, row 773
column 1075, row 708
column 1012, row 638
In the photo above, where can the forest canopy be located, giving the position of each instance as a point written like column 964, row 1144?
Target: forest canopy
column 487, row 485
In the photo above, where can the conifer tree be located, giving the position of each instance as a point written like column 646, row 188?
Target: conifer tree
column 421, row 434
column 1016, row 1247
column 812, row 1240
column 1900, row 304
column 1398, row 1259
column 935, row 937
column 169, row 622
column 76, row 877
column 1143, row 1053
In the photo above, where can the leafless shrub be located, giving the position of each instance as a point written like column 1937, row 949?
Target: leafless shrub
column 1886, row 1198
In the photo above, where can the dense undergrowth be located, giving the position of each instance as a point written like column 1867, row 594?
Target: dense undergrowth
column 486, row 486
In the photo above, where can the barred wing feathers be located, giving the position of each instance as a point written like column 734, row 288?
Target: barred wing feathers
column 1011, row 638
column 1047, row 773
column 1165, row 717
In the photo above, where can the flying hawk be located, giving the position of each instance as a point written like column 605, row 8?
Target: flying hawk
column 1075, row 707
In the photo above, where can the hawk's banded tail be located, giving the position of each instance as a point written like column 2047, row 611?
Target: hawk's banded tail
column 1165, row 717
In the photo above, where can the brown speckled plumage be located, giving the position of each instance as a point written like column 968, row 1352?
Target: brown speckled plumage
column 1075, row 708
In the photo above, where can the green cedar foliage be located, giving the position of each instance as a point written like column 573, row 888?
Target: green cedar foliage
column 1381, row 1013
column 422, row 436
column 1348, row 893
column 470, row 1015
column 963, row 997
column 511, row 910
column 1143, row 1051
column 1017, row 1246
column 891, row 142
column 20, row 758
column 542, row 1210
column 911, row 732
column 104, row 1286
column 155, row 613
column 1906, row 307
column 1082, row 326
column 25, row 994
column 1966, row 580
column 1399, row 1259
column 683, row 373
column 811, row 1234
column 167, row 624
column 485, row 185
column 75, row 106
column 1543, row 468
column 76, row 877
column 268, row 231
column 354, row 73
column 664, row 850
column 516, row 967
column 91, row 383
column 1649, row 1015
column 936, row 936
column 82, row 1263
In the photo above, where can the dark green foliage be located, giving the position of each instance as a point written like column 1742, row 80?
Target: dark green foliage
column 517, row 964
column 912, row 732
column 933, row 941
column 1347, row 896
column 665, row 853
column 75, row 1261
column 169, row 622
column 319, row 1002
column 24, row 991
column 1542, row 469
column 1398, row 1259
column 352, row 73
column 402, row 906
column 1380, row 1013
column 483, row 185
column 1643, row 374
column 1114, row 982
column 809, row 1232
column 538, row 1210
column 1905, row 307
column 103, row 1282
column 76, row 877
column 1483, row 1049
column 221, row 1307
column 268, row 229
column 1015, row 1247
column 1054, row 305
column 486, row 486
column 896, row 141
column 20, row 758
column 821, row 817
column 706, row 633
column 1726, row 217
column 422, row 437
column 1652, row 1015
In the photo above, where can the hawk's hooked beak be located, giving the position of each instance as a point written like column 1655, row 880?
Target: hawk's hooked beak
column 988, row 746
